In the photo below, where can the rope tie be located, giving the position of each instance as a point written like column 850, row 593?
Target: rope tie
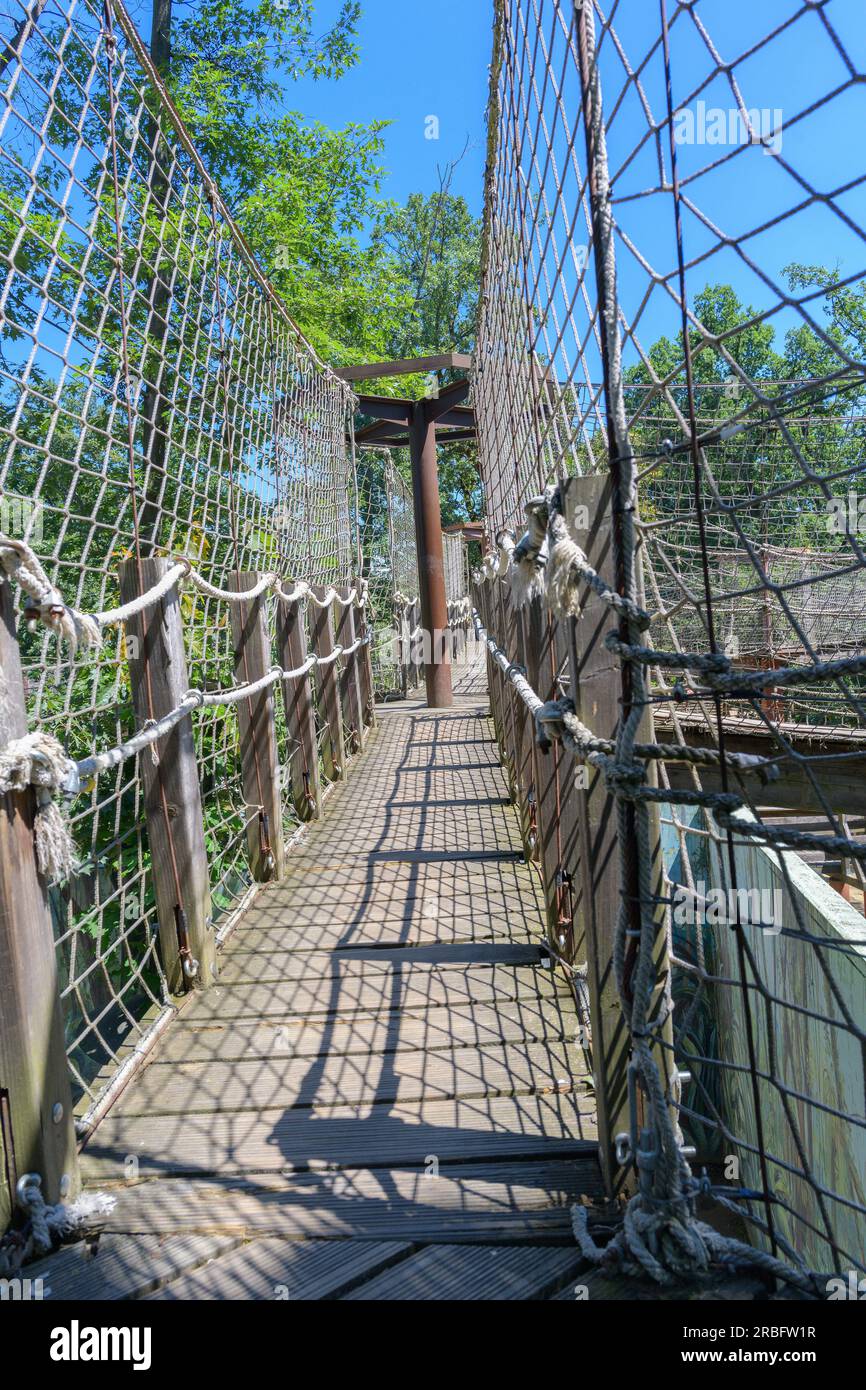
column 530, row 555
column 46, row 1225
column 37, row 760
column 568, row 563
column 47, row 605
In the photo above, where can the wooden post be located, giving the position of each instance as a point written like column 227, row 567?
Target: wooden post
column 36, row 1129
column 350, row 677
column 596, row 691
column 158, row 679
column 530, row 634
column 300, row 715
column 327, row 684
column 519, row 718
column 365, row 663
column 260, row 768
column 428, row 535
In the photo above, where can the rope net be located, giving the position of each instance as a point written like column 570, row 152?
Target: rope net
column 654, row 171
column 391, row 570
column 155, row 399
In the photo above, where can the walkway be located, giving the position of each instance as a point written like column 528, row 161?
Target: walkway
column 383, row 1097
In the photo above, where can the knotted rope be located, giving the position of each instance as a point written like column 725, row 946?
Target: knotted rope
column 47, row 1225
column 20, row 562
column 47, row 605
column 37, row 760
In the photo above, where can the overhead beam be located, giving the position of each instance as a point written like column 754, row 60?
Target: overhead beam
column 449, row 396
column 460, row 361
column 380, row 432
column 386, row 408
column 379, row 435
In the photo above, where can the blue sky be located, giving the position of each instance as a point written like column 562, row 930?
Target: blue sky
column 420, row 59
column 417, row 59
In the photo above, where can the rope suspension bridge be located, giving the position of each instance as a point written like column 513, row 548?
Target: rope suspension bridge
column 376, row 929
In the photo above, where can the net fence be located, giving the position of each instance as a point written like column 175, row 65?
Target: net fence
column 155, row 400
column 659, row 177
column 391, row 570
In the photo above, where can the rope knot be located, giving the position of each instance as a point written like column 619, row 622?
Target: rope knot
column 39, row 761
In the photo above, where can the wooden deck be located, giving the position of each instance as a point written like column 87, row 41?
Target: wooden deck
column 383, row 1096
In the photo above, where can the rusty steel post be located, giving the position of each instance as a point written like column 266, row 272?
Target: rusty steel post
column 431, row 569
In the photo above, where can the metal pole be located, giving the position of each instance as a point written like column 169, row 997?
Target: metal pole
column 431, row 568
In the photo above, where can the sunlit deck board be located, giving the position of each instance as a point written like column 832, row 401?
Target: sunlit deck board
column 387, row 1057
column 348, row 1136
column 126, row 1266
column 473, row 1272
column 468, row 1202
column 482, row 1026
column 401, row 1076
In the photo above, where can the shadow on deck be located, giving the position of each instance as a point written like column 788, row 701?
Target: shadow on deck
column 382, row 1097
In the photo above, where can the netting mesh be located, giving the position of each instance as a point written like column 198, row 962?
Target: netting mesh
column 642, row 311
column 456, row 563
column 391, row 569
column 153, row 394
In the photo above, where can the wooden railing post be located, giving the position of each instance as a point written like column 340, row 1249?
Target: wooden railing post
column 365, row 662
column 172, row 795
column 350, row 676
column 416, row 645
column 300, row 715
column 257, row 729
column 596, row 692
column 36, row 1128
column 327, row 684
column 541, row 666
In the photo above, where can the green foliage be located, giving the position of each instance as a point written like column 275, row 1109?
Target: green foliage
column 763, row 455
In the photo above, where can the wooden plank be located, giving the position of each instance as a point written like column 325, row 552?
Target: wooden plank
column 527, row 1020
column 36, row 1133
column 407, row 915
column 594, row 1287
column 261, row 967
column 343, row 1136
column 300, row 715
column 473, row 1272
column 354, row 725
column 278, row 1270
column 156, row 658
column 375, row 1077
column 353, row 991
column 467, row 1202
column 595, row 689
column 257, row 732
column 327, row 685
column 125, row 1266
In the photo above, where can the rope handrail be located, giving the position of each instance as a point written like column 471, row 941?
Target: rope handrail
column 20, row 561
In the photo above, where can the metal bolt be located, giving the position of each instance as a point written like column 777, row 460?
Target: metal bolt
column 57, row 1112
